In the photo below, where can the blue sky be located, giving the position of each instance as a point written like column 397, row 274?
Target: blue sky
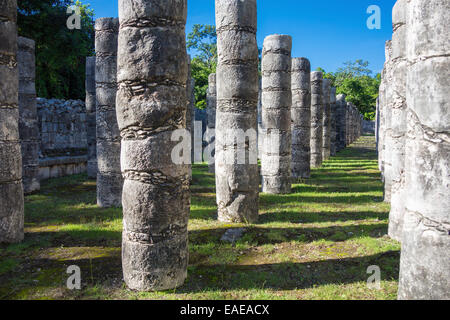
column 327, row 32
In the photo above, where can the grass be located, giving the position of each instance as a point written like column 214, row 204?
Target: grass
column 315, row 243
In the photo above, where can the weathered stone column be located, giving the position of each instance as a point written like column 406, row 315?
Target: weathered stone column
column 425, row 254
column 351, row 123
column 276, row 114
column 11, row 190
column 237, row 184
column 109, row 176
column 190, row 113
column 354, row 123
column 398, row 119
column 301, row 118
column 326, row 139
column 387, row 158
column 211, row 104
column 316, row 118
column 151, row 107
column 260, row 125
column 348, row 130
column 377, row 128
column 91, row 117
column 333, row 140
column 382, row 111
column 340, row 121
column 28, row 116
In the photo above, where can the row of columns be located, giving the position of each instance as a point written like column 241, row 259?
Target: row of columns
column 151, row 104
column 320, row 127
column 414, row 145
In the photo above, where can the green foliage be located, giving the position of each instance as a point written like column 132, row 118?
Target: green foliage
column 60, row 52
column 357, row 82
column 202, row 41
column 200, row 72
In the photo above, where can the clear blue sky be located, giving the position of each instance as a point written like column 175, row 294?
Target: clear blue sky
column 327, row 32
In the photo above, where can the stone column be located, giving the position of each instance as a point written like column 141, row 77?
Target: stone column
column 237, row 181
column 387, row 158
column 109, row 176
column 211, row 104
column 326, row 139
column 377, row 127
column 11, row 190
column 316, row 118
column 260, row 126
column 348, row 131
column 151, row 109
column 91, row 121
column 425, row 254
column 382, row 111
column 301, row 118
column 353, row 124
column 333, row 140
column 340, row 121
column 190, row 114
column 276, row 114
column 28, row 116
column 398, row 119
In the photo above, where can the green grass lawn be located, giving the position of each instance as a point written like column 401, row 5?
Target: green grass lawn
column 315, row 243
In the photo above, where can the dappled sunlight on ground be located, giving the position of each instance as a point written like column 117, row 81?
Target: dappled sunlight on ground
column 315, row 243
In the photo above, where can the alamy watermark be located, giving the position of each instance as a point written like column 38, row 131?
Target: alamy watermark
column 74, row 280
column 74, row 21
column 374, row 281
column 374, row 20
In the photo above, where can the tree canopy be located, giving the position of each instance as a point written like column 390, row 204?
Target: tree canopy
column 202, row 43
column 358, row 83
column 60, row 52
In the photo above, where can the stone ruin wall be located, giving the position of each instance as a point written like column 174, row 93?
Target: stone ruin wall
column 63, row 140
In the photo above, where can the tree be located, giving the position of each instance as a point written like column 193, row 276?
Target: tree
column 357, row 82
column 202, row 41
column 60, row 52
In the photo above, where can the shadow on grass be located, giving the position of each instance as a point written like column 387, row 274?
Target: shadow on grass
column 106, row 272
column 312, row 217
column 303, row 199
column 257, row 236
column 289, row 276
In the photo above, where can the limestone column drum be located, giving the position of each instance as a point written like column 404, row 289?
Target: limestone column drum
column 109, row 176
column 301, row 118
column 211, row 104
column 340, row 121
column 237, row 179
column 316, row 118
column 91, row 108
column 425, row 254
column 333, row 138
column 276, row 114
column 151, row 106
column 11, row 190
column 398, row 119
column 387, row 153
column 326, row 143
column 28, row 117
